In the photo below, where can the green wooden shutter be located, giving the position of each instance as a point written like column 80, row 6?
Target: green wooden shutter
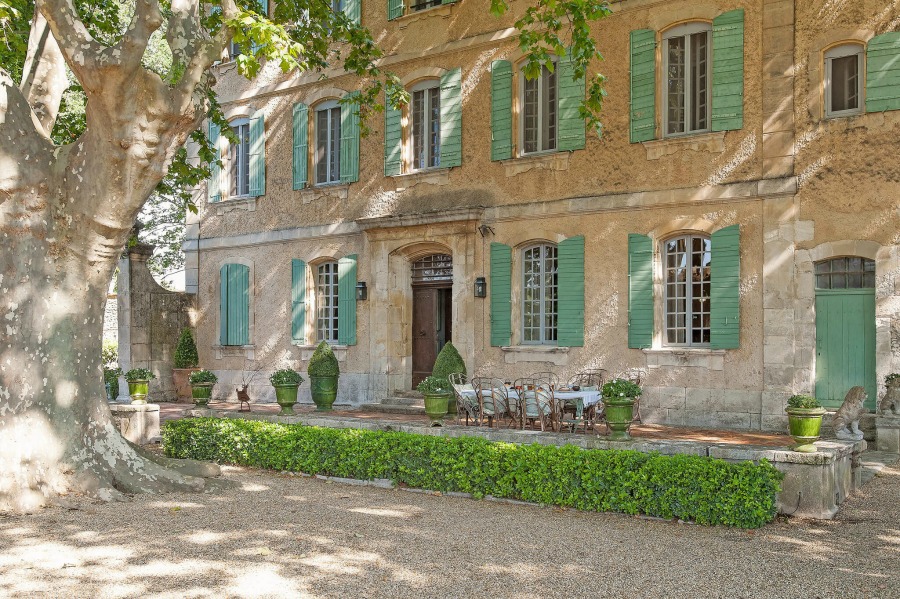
column 350, row 141
column 501, row 110
column 214, row 186
column 353, row 10
column 571, row 94
column 643, row 85
column 264, row 7
column 570, row 276
column 725, row 287
column 393, row 162
column 347, row 300
column 298, row 301
column 883, row 72
column 223, row 304
column 640, row 291
column 501, row 294
column 257, row 154
column 395, row 9
column 451, row 118
column 301, row 144
column 234, row 304
column 728, row 71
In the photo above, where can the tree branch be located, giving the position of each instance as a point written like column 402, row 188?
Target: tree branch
column 147, row 19
column 44, row 76
column 207, row 53
column 80, row 49
column 25, row 150
column 182, row 31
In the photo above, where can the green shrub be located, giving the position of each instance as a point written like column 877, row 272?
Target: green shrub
column 109, row 355
column 434, row 385
column 803, row 402
column 448, row 361
column 203, row 376
column 186, row 351
column 139, row 374
column 285, row 376
column 891, row 378
column 620, row 388
column 323, row 362
column 111, row 376
column 704, row 490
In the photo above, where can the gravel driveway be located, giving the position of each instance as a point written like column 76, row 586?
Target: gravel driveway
column 288, row 536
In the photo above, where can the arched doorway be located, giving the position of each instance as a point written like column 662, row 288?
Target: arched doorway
column 845, row 328
column 432, row 322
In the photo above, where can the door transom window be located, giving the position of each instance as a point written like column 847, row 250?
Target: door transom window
column 846, row 272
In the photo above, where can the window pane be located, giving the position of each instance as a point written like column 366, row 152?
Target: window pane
column 327, row 302
column 434, row 121
column 334, row 160
column 418, row 127
column 530, row 121
column 845, row 83
column 699, row 87
column 322, row 146
column 675, row 84
column 549, row 110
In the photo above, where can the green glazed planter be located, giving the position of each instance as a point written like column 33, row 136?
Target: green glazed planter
column 286, row 396
column 451, row 405
column 324, row 391
column 619, row 414
column 201, row 392
column 436, row 407
column 138, row 390
column 804, row 425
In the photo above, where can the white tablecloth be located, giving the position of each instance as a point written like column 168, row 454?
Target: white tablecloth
column 589, row 398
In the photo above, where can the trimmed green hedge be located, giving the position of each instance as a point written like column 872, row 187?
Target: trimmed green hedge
column 704, row 490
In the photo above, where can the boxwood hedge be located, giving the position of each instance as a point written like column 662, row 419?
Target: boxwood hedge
column 699, row 489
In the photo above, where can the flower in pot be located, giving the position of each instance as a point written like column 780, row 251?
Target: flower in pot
column 437, row 395
column 202, row 382
column 323, row 373
column 619, row 396
column 449, row 362
column 184, row 363
column 804, row 421
column 139, row 384
column 286, row 383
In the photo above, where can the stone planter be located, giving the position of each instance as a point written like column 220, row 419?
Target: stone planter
column 324, row 391
column 201, row 392
column 286, row 396
column 804, row 425
column 436, row 407
column 181, row 380
column 138, row 390
column 619, row 414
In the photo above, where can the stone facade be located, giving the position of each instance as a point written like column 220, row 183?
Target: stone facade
column 801, row 188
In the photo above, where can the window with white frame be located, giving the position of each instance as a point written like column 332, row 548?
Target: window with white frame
column 539, row 295
column 327, row 302
column 843, row 80
column 686, row 274
column 328, row 142
column 425, row 125
column 239, row 159
column 539, row 112
column 423, row 4
column 686, row 61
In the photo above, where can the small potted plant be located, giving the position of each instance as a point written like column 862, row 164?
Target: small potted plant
column 437, row 395
column 804, row 421
column 139, row 384
column 286, row 383
column 202, row 382
column 448, row 362
column 323, row 373
column 184, row 363
column 619, row 396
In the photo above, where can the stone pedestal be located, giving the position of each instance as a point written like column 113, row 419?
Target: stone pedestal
column 137, row 423
column 887, row 431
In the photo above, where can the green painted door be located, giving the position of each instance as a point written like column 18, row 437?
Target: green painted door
column 845, row 344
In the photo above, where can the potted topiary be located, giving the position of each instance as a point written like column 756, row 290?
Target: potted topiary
column 804, row 421
column 448, row 362
column 286, row 383
column 437, row 395
column 184, row 363
column 323, row 373
column 139, row 384
column 202, row 382
column 619, row 396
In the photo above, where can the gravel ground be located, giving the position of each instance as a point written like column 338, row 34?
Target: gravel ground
column 288, row 536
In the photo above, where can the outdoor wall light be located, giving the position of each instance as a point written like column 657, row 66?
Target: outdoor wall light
column 480, row 287
column 361, row 292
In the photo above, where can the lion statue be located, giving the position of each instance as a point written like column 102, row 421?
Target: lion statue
column 890, row 403
column 846, row 420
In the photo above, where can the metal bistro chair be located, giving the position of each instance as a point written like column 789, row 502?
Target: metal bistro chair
column 537, row 402
column 548, row 377
column 590, row 379
column 493, row 400
column 636, row 376
column 466, row 398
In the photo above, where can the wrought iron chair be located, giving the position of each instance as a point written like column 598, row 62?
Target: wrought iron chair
column 466, row 398
column 493, row 400
column 590, row 379
column 636, row 376
column 537, row 402
column 551, row 378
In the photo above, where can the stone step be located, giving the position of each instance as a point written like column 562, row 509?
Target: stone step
column 873, row 462
column 402, row 400
column 407, row 394
column 417, row 409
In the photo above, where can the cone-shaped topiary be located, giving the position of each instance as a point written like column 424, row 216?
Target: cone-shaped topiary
column 448, row 362
column 186, row 351
column 323, row 362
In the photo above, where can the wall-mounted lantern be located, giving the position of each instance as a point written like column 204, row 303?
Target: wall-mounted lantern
column 362, row 294
column 480, row 287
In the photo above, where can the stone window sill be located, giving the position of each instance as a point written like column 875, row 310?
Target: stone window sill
column 714, row 143
column 434, row 176
column 704, row 357
column 514, row 354
column 443, row 11
column 336, row 191
column 232, row 351
column 230, row 205
column 306, row 351
column 553, row 161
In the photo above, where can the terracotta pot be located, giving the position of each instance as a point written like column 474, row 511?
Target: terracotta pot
column 180, row 378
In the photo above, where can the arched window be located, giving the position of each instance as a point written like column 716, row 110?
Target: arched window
column 846, row 272
column 686, row 95
column 843, row 80
column 327, row 302
column 239, row 159
column 425, row 125
column 539, row 111
column 540, row 294
column 686, row 274
column 328, row 142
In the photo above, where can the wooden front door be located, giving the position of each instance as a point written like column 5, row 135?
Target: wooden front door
column 845, row 344
column 424, row 331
